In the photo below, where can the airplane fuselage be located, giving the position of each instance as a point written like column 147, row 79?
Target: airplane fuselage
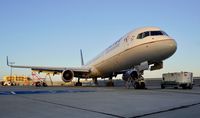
column 130, row 51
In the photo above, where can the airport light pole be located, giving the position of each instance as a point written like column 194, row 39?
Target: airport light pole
column 11, row 63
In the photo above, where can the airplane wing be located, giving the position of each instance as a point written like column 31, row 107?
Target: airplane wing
column 78, row 71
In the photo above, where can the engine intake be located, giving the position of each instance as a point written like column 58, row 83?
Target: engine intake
column 67, row 75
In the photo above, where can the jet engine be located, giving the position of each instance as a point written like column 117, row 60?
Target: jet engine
column 130, row 73
column 67, row 75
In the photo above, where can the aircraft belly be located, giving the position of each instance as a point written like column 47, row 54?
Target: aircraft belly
column 153, row 52
column 106, row 68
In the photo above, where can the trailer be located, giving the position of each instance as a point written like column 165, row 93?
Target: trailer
column 177, row 79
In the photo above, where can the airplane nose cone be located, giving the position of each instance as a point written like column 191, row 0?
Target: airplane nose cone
column 165, row 49
column 172, row 46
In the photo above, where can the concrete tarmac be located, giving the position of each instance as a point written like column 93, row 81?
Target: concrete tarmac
column 98, row 102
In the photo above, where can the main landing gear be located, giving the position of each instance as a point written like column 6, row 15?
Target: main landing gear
column 78, row 83
column 95, row 81
column 137, row 81
column 110, row 83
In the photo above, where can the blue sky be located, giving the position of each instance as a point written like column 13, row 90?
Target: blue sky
column 51, row 32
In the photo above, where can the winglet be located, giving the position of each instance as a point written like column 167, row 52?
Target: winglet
column 82, row 61
column 7, row 61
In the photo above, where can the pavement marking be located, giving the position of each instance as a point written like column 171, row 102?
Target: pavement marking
column 43, row 92
column 12, row 92
column 167, row 110
column 181, row 92
column 73, row 107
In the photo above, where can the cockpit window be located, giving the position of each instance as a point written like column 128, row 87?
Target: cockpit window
column 139, row 36
column 150, row 33
column 153, row 33
column 145, row 34
column 164, row 33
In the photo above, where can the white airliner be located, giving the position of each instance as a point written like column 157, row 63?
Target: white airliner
column 141, row 49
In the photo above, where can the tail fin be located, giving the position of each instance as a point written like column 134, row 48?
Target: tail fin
column 82, row 61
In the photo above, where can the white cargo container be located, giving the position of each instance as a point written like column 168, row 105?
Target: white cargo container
column 177, row 79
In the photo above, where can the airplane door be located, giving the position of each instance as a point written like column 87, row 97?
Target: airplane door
column 128, row 41
column 117, row 63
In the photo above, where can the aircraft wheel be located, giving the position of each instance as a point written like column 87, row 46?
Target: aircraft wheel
column 142, row 85
column 184, row 86
column 78, row 84
column 162, row 86
column 176, row 87
column 190, row 86
column 110, row 83
column 136, row 85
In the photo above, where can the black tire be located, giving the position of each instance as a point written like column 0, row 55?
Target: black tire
column 37, row 84
column 190, row 86
column 2, row 83
column 78, row 84
column 110, row 84
column 44, row 84
column 136, row 85
column 142, row 85
column 162, row 86
column 184, row 86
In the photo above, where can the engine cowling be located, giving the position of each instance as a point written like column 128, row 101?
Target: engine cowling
column 128, row 74
column 67, row 75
